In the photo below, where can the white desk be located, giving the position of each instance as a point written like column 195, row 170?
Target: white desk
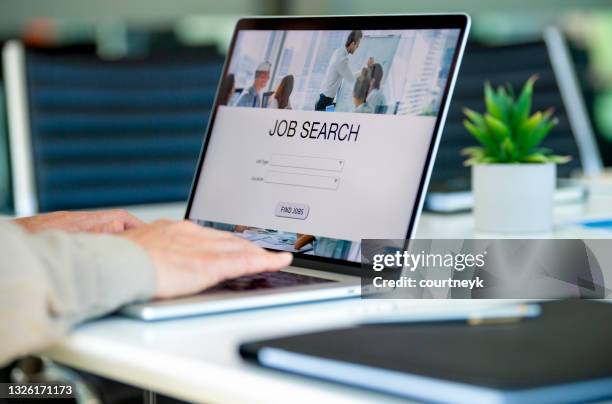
column 196, row 359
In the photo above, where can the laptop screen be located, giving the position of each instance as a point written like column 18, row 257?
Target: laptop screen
column 322, row 138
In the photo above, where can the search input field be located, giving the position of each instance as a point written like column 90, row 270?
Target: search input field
column 302, row 180
column 307, row 162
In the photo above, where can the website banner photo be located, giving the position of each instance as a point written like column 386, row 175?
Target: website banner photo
column 314, row 128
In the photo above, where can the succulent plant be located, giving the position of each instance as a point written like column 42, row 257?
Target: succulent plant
column 507, row 131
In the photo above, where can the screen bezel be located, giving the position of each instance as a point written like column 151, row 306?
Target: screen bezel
column 389, row 22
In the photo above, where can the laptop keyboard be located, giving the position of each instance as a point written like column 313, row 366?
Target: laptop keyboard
column 267, row 280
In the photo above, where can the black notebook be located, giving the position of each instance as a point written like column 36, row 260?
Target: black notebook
column 564, row 355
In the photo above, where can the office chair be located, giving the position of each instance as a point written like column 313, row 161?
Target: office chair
column 87, row 132
column 513, row 64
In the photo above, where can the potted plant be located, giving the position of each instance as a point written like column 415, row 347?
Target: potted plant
column 513, row 178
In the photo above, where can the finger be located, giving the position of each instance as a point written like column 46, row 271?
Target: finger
column 193, row 228
column 216, row 245
column 88, row 221
column 96, row 229
column 116, row 226
column 129, row 221
column 112, row 227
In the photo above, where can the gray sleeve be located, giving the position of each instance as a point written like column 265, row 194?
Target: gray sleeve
column 52, row 280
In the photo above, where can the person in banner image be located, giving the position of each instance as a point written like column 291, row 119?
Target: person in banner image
column 339, row 70
column 376, row 99
column 280, row 98
column 360, row 92
column 252, row 96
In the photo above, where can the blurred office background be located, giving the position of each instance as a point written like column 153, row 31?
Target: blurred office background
column 119, row 92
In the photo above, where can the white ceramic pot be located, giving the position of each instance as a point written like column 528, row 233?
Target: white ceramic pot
column 513, row 198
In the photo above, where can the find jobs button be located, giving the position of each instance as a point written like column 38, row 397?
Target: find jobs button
column 292, row 210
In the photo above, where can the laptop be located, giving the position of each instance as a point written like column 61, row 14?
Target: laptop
column 340, row 150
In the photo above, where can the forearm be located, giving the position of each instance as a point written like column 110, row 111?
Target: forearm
column 51, row 281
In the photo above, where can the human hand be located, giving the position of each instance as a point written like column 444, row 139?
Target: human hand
column 104, row 221
column 189, row 258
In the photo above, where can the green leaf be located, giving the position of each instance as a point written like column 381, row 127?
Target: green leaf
column 559, row 159
column 473, row 151
column 525, row 131
column 497, row 127
column 491, row 102
column 505, row 103
column 522, row 107
column 472, row 161
column 481, row 136
column 476, row 118
column 536, row 158
column 542, row 158
column 490, row 160
column 480, row 160
column 539, row 133
column 509, row 149
column 543, row 150
column 474, row 130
